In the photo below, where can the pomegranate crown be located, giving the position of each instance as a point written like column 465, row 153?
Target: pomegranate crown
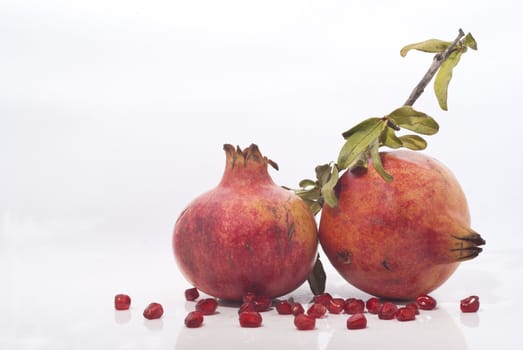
column 251, row 153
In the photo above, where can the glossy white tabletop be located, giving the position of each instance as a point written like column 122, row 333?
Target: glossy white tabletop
column 59, row 295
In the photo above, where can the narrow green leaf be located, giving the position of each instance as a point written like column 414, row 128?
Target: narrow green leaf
column 327, row 190
column 307, row 183
column 408, row 118
column 389, row 139
column 413, row 142
column 312, row 194
column 442, row 80
column 376, row 162
column 361, row 162
column 314, row 207
column 470, row 42
column 361, row 127
column 317, row 278
column 431, row 45
column 323, row 173
column 359, row 141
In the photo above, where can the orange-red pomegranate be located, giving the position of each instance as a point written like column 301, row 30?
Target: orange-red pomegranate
column 402, row 238
column 247, row 235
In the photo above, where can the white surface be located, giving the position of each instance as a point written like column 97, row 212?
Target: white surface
column 113, row 115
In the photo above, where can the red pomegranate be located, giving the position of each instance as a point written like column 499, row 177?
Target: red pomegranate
column 402, row 238
column 247, row 235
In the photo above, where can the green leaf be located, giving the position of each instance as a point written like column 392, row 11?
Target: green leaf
column 314, row 207
column 317, row 278
column 323, row 173
column 307, row 183
column 312, row 194
column 389, row 139
column 376, row 162
column 327, row 190
column 408, row 118
column 413, row 142
column 442, row 80
column 358, row 141
column 363, row 126
column 469, row 41
column 431, row 45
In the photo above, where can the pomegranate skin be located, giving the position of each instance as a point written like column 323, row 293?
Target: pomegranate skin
column 402, row 238
column 247, row 234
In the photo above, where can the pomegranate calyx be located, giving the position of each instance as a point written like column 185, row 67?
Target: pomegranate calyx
column 251, row 153
column 467, row 246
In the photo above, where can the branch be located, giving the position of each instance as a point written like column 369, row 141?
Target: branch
column 438, row 60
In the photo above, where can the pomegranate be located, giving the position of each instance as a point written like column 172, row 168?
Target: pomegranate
column 247, row 235
column 402, row 238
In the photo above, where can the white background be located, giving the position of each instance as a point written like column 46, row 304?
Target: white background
column 113, row 115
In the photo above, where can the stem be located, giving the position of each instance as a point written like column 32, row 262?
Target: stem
column 438, row 60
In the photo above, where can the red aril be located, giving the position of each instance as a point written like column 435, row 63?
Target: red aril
column 357, row 321
column 426, row 302
column 414, row 307
column 122, row 302
column 297, row 309
column 250, row 319
column 317, row 310
column 191, row 294
column 194, row 319
column 373, row 305
column 246, row 307
column 207, row 306
column 262, row 303
column 249, row 297
column 247, row 234
column 405, row 314
column 283, row 307
column 469, row 304
column 304, row 322
column 153, row 311
column 336, row 305
column 354, row 306
column 388, row 311
column 323, row 298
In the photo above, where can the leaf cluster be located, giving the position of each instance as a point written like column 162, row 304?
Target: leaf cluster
column 363, row 141
column 449, row 53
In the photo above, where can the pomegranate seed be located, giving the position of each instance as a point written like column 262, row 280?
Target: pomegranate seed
column 194, row 319
column 304, row 322
column 247, row 307
column 469, row 304
column 405, row 314
column 317, row 310
column 357, row 321
column 414, row 307
column 323, row 298
column 262, row 303
column 336, row 305
column 153, row 311
column 425, row 302
column 250, row 319
column 373, row 305
column 191, row 294
column 297, row 309
column 207, row 306
column 284, row 307
column 388, row 311
column 249, row 297
column 122, row 302
column 354, row 306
